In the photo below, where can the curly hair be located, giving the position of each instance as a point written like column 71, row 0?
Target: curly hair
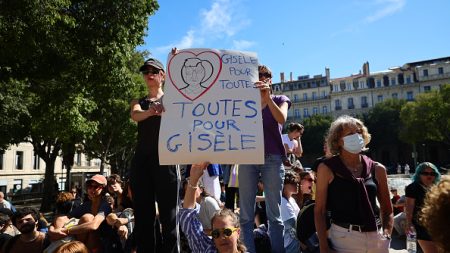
column 22, row 212
column 435, row 213
column 421, row 167
column 224, row 213
column 291, row 177
column 336, row 129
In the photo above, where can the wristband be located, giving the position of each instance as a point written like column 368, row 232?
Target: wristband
column 190, row 185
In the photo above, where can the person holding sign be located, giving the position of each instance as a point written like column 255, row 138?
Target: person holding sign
column 149, row 180
column 274, row 113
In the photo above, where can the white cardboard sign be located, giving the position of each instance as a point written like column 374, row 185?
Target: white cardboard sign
column 212, row 110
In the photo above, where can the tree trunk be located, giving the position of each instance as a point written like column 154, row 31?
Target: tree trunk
column 68, row 157
column 48, row 151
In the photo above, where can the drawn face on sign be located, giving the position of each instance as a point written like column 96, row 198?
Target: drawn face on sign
column 197, row 74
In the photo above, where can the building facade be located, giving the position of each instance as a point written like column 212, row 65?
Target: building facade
column 21, row 170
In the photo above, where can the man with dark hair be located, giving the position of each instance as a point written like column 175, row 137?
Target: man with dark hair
column 31, row 240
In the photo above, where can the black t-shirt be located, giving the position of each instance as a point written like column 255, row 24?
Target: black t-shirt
column 418, row 192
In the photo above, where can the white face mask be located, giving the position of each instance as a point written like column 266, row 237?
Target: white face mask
column 353, row 143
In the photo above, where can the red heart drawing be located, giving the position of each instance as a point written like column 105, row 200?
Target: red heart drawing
column 193, row 74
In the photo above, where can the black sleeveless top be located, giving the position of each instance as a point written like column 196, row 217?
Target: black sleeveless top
column 148, row 132
column 344, row 195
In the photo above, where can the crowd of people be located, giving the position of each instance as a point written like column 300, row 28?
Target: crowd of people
column 342, row 205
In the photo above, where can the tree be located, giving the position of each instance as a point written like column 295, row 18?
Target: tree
column 316, row 128
column 67, row 49
column 427, row 118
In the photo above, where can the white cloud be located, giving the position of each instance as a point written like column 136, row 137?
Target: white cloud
column 242, row 44
column 389, row 7
column 222, row 20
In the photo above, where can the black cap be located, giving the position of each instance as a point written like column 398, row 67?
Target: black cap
column 152, row 62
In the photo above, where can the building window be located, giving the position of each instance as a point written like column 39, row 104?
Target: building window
column 337, row 104
column 362, row 84
column 394, row 95
column 313, row 84
column 401, row 78
column 1, row 160
column 19, row 160
column 305, row 96
column 380, row 98
column 336, row 88
column 305, row 113
column 297, row 113
column 17, row 185
column 393, row 81
column 349, row 86
column 355, row 84
column 78, row 158
column 315, row 111
column 408, row 79
column 385, row 81
column 440, row 70
column 409, row 96
column 426, row 88
column 314, row 95
column 295, row 98
column 378, row 83
column 425, row 72
column 350, row 103
column 324, row 94
column 36, row 162
column 295, row 86
column 325, row 109
column 364, row 102
column 342, row 85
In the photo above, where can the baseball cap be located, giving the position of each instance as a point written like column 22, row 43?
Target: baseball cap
column 100, row 179
column 152, row 62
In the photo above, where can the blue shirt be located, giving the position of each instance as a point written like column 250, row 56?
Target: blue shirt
column 198, row 241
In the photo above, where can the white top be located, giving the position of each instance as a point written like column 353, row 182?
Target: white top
column 288, row 142
column 289, row 210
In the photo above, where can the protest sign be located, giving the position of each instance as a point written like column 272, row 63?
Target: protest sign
column 212, row 109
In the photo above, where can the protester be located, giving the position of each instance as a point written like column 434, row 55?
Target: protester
column 5, row 221
column 92, row 228
column 6, row 204
column 274, row 114
column 72, row 247
column 304, row 196
column 290, row 211
column 425, row 176
column 292, row 143
column 149, row 180
column 30, row 240
column 8, row 228
column 435, row 213
column 119, row 193
column 231, row 181
column 395, row 197
column 225, row 224
column 349, row 185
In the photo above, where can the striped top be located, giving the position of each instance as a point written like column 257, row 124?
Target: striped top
column 198, row 241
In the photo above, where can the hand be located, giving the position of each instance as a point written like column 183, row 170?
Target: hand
column 122, row 231
column 264, row 89
column 57, row 233
column 197, row 171
column 174, row 51
column 156, row 108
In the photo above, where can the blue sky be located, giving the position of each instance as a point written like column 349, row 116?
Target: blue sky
column 304, row 37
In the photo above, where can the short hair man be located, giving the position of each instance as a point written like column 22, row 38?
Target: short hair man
column 6, row 204
column 30, row 240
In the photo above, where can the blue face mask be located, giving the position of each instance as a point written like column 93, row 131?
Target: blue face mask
column 353, row 143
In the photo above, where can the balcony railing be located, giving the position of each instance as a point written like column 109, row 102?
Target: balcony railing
column 351, row 106
column 364, row 105
column 434, row 77
column 338, row 108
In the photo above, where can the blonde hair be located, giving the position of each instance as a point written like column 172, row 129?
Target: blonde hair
column 72, row 247
column 336, row 129
column 435, row 213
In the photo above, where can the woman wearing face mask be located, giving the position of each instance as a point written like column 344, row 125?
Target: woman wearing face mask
column 349, row 185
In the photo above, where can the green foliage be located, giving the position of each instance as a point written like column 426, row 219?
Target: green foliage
column 383, row 122
column 316, row 128
column 428, row 117
column 64, row 71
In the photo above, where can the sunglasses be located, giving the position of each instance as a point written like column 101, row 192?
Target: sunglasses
column 266, row 75
column 227, row 232
column 151, row 71
column 309, row 180
column 428, row 173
